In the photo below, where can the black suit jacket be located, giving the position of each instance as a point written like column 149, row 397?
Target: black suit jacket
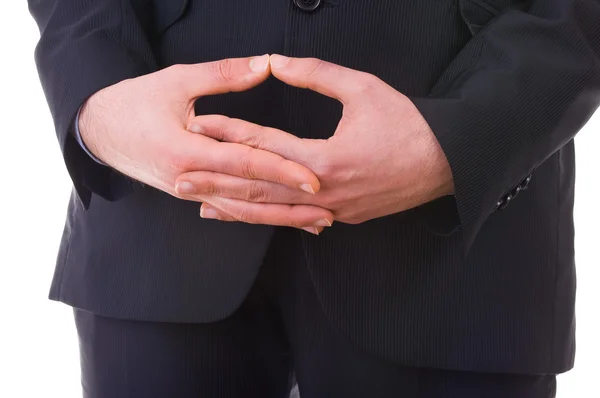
column 483, row 280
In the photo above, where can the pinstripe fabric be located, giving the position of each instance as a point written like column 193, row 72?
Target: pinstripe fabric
column 505, row 86
column 279, row 326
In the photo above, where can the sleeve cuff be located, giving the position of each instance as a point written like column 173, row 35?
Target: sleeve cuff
column 77, row 133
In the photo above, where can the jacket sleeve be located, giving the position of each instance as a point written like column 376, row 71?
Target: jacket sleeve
column 79, row 138
column 85, row 46
column 518, row 91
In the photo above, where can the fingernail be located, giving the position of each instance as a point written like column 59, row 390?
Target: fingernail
column 195, row 128
column 312, row 230
column 278, row 61
column 209, row 213
column 323, row 223
column 259, row 64
column 185, row 188
column 307, row 188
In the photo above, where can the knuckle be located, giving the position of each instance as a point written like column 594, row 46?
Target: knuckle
column 366, row 82
column 173, row 74
column 173, row 70
column 208, row 187
column 314, row 66
column 335, row 168
column 324, row 169
column 232, row 130
column 254, row 141
column 244, row 215
column 220, row 120
column 345, row 174
column 255, row 193
column 293, row 223
column 352, row 219
column 222, row 70
column 179, row 163
column 329, row 201
column 292, row 218
column 176, row 69
column 329, row 170
column 254, row 138
column 248, row 169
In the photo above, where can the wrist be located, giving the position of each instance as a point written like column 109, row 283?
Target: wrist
column 439, row 175
column 442, row 180
column 86, row 133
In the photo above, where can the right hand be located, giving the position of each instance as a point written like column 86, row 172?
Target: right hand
column 138, row 127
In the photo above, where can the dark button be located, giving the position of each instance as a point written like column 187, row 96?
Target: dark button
column 515, row 192
column 307, row 5
column 525, row 183
column 501, row 205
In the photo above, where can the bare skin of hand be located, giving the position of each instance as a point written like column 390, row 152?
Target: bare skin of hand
column 383, row 158
column 138, row 127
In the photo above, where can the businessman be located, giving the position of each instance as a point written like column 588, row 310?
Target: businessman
column 373, row 199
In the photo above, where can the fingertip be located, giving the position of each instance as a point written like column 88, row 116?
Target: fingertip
column 312, row 230
column 297, row 176
column 308, row 182
column 206, row 124
column 195, row 128
column 312, row 184
column 324, row 222
column 209, row 212
column 307, row 188
column 278, row 61
column 185, row 188
column 260, row 64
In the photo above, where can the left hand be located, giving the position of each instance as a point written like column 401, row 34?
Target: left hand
column 382, row 159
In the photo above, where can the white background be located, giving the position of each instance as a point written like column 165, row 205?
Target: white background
column 38, row 344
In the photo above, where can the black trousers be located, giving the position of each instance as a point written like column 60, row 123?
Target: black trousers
column 278, row 335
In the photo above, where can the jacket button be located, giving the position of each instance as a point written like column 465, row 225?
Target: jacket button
column 307, row 5
column 501, row 205
column 515, row 192
column 525, row 183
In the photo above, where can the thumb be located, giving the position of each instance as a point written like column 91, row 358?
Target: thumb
column 223, row 76
column 336, row 81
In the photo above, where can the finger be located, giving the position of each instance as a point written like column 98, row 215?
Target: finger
column 314, row 230
column 227, row 129
column 196, row 184
column 223, row 76
column 298, row 216
column 244, row 161
column 208, row 211
column 323, row 77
